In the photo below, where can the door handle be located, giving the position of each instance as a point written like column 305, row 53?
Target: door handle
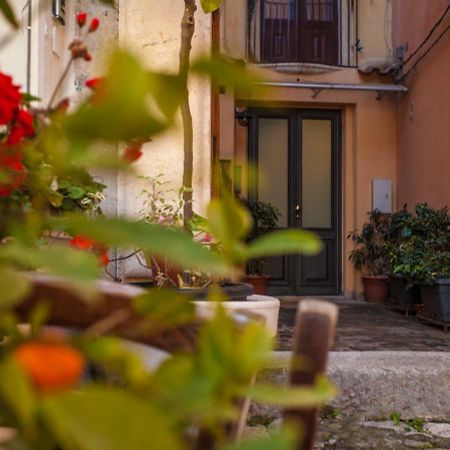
column 298, row 209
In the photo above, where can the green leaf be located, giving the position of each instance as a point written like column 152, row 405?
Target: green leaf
column 122, row 111
column 75, row 192
column 210, row 6
column 14, row 287
column 284, row 242
column 164, row 308
column 227, row 72
column 294, row 397
column 8, row 13
column 105, row 418
column 282, row 441
column 16, row 393
column 176, row 246
column 78, row 266
column 228, row 220
column 167, row 91
column 28, row 98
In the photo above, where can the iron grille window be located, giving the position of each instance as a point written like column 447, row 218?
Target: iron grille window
column 296, row 31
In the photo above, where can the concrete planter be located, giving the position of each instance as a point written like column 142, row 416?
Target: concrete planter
column 265, row 306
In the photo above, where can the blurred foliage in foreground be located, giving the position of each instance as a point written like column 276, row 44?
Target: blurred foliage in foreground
column 45, row 403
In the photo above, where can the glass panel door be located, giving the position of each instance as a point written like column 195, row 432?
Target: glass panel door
column 316, row 194
column 273, row 165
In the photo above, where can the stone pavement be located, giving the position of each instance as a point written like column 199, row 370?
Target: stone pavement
column 364, row 326
column 344, row 433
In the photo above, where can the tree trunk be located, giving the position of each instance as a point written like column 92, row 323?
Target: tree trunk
column 187, row 33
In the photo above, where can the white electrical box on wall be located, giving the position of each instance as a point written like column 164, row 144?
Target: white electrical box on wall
column 382, row 195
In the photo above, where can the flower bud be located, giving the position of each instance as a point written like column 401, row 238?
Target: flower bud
column 81, row 19
column 94, row 25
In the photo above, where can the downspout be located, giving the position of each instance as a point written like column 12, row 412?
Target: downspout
column 29, row 22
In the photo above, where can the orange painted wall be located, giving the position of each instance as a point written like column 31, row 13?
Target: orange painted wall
column 368, row 146
column 424, row 113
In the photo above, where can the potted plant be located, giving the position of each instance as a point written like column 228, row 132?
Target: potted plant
column 418, row 256
column 404, row 295
column 164, row 206
column 265, row 219
column 371, row 257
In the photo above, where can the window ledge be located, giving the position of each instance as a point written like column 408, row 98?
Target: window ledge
column 296, row 68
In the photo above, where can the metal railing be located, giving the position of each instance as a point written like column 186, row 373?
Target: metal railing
column 302, row 31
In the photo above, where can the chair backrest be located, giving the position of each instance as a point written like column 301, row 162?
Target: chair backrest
column 314, row 334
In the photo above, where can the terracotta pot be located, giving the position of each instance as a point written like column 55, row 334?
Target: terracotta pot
column 259, row 283
column 376, row 289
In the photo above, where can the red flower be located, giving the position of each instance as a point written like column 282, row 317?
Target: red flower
column 95, row 23
column 87, row 57
column 22, row 127
column 15, row 172
column 82, row 243
column 132, row 153
column 104, row 259
column 93, row 83
column 81, row 19
column 63, row 105
column 9, row 100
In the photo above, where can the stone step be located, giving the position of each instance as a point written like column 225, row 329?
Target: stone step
column 373, row 385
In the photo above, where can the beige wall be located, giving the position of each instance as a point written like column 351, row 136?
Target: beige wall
column 152, row 30
column 424, row 113
column 374, row 30
column 369, row 144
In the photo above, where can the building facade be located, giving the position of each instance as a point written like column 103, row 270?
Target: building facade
column 351, row 116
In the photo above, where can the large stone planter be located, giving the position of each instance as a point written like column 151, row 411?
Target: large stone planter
column 262, row 305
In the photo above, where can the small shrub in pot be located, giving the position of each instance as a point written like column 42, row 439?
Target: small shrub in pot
column 371, row 255
column 265, row 219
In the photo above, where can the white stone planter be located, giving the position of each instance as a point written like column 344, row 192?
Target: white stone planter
column 265, row 306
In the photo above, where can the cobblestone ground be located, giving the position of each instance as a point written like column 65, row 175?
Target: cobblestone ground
column 369, row 327
column 347, row 434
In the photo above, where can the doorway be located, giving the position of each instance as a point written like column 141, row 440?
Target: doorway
column 296, row 159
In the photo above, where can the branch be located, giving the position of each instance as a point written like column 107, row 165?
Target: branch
column 187, row 33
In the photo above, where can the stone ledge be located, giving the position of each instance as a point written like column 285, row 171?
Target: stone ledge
column 376, row 384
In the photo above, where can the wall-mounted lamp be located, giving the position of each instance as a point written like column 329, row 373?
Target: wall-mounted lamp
column 242, row 116
column 59, row 11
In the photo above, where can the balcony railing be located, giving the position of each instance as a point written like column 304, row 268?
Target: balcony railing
column 302, row 31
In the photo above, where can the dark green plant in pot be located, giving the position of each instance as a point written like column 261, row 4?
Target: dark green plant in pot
column 371, row 252
column 265, row 219
column 371, row 256
column 422, row 255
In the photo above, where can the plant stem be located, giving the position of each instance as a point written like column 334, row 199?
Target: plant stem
column 187, row 33
column 60, row 82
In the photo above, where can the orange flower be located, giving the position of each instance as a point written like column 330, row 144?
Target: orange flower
column 51, row 367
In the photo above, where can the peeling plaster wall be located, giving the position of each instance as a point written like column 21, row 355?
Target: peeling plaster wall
column 152, row 30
